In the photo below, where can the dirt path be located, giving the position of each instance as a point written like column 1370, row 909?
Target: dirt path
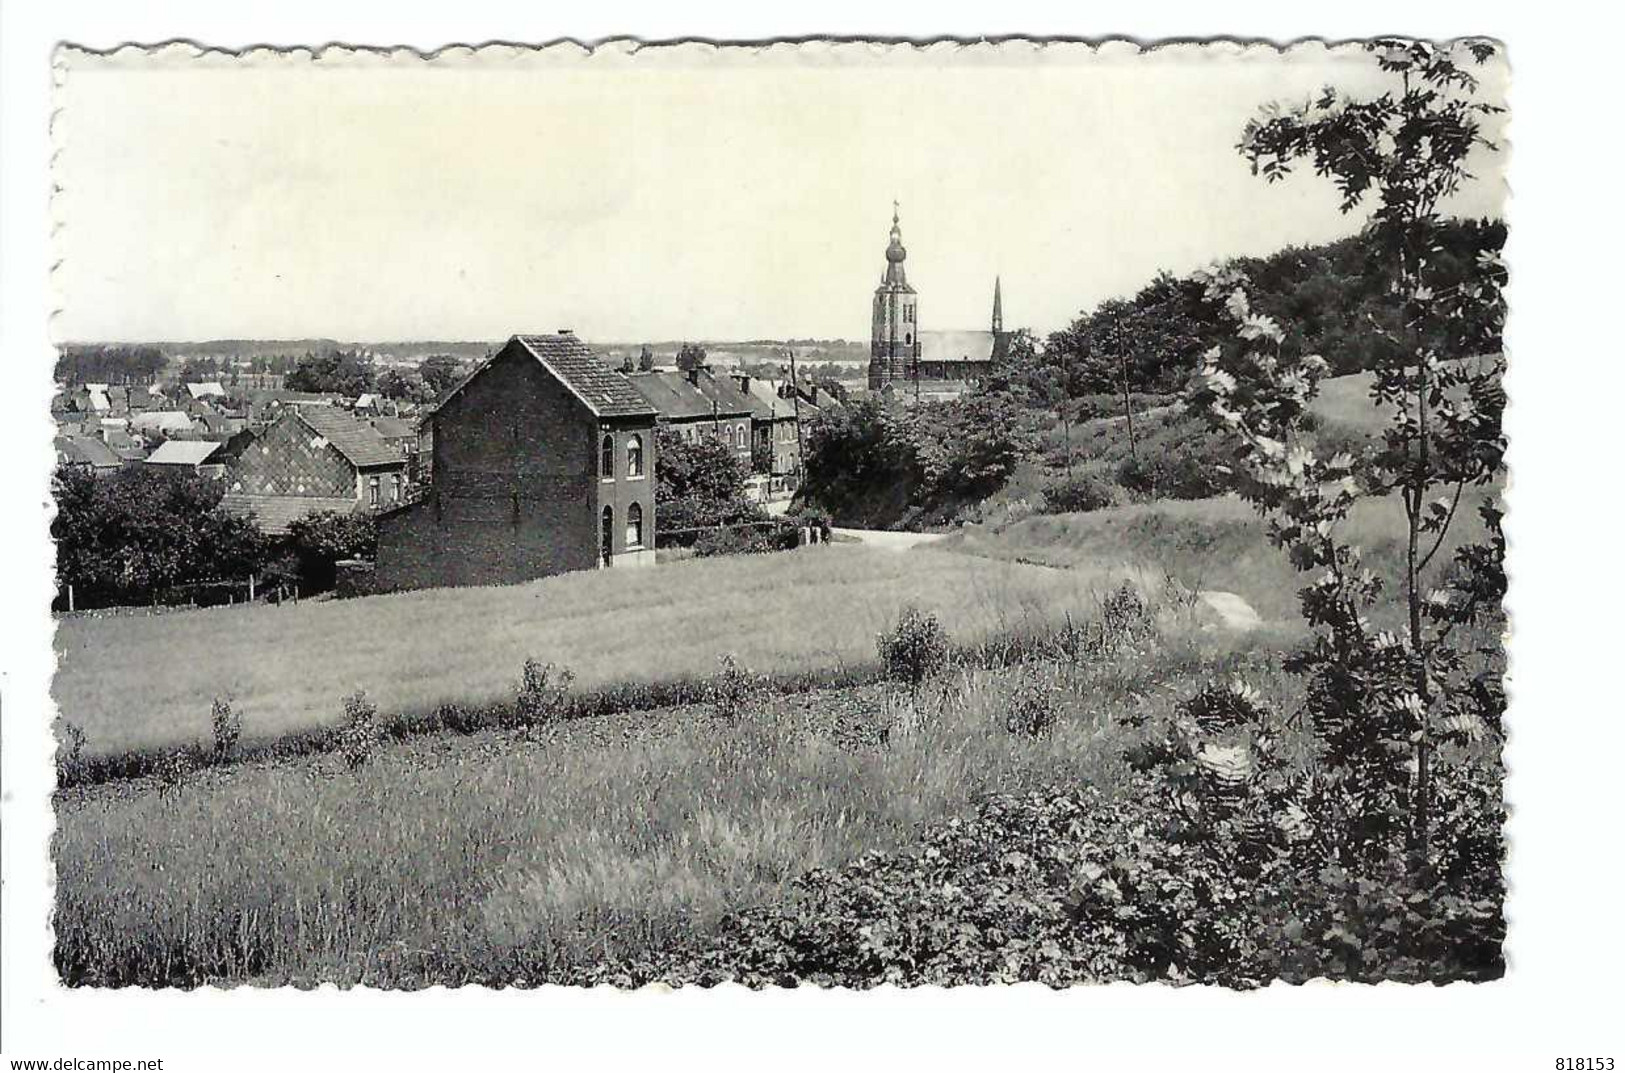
column 885, row 538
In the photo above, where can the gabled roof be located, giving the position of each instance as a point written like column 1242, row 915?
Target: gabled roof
column 356, row 440
column 273, row 514
column 603, row 390
column 956, row 346
column 599, row 388
column 85, row 451
column 677, row 398
column 165, row 420
column 183, row 452
column 206, row 389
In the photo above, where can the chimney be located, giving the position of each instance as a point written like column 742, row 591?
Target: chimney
column 744, row 382
column 694, row 375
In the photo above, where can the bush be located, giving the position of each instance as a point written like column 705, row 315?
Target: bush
column 1178, row 474
column 228, row 729
column 1125, row 618
column 1031, row 709
column 543, row 694
column 461, row 719
column 1082, row 492
column 1094, row 407
column 172, row 769
column 359, row 732
column 734, row 690
column 915, row 649
column 322, row 538
column 745, row 540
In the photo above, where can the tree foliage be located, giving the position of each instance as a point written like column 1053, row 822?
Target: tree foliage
column 1383, row 703
column 322, row 538
column 698, row 483
column 97, row 364
column 875, row 459
column 339, row 372
column 129, row 537
column 441, row 373
column 690, row 356
column 1333, row 300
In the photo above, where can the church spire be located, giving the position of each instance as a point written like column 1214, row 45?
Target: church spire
column 896, row 254
column 998, row 308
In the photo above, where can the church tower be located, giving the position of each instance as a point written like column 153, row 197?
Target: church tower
column 894, row 334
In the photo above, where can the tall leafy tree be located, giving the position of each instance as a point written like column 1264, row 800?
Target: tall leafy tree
column 1383, row 703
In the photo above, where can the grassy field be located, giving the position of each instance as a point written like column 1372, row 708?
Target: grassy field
column 503, row 857
column 1206, row 544
column 146, row 683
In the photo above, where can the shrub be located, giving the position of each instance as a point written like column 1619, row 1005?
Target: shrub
column 734, row 690
column 544, row 693
column 460, row 718
column 228, row 729
column 1031, row 708
column 1125, row 618
column 745, row 540
column 172, row 769
column 915, row 649
column 359, row 732
column 1178, row 474
column 1081, row 492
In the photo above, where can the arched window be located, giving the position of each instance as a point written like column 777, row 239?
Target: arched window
column 372, row 491
column 634, row 455
column 606, row 458
column 395, row 488
column 634, row 526
column 606, row 539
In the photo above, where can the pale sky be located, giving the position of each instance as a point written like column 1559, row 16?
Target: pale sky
column 670, row 194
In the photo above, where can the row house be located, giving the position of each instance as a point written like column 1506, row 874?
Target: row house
column 697, row 404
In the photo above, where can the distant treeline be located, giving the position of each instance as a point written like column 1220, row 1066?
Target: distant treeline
column 1333, row 300
column 98, row 364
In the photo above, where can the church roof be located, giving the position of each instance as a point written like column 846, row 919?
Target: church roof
column 957, row 346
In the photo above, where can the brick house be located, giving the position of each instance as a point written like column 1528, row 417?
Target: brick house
column 697, row 404
column 313, row 458
column 775, row 413
column 542, row 461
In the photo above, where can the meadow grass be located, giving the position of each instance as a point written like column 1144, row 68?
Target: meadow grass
column 135, row 684
column 504, row 857
column 1215, row 543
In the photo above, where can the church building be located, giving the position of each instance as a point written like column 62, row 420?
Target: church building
column 906, row 359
